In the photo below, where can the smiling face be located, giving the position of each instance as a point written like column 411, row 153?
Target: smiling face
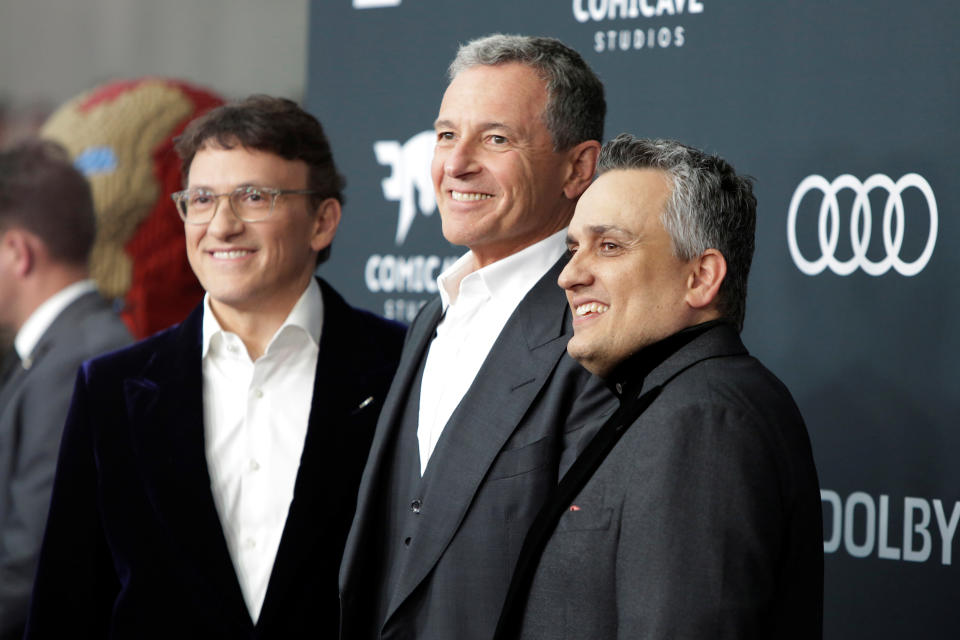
column 258, row 268
column 625, row 287
column 500, row 185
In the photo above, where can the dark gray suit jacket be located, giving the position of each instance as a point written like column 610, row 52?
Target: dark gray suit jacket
column 703, row 520
column 33, row 408
column 496, row 462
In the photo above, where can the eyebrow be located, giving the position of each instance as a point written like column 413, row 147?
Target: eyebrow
column 600, row 229
column 242, row 185
column 486, row 126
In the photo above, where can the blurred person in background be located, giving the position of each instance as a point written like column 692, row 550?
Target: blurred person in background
column 57, row 320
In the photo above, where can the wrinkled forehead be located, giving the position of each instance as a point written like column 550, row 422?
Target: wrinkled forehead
column 219, row 167
column 509, row 88
column 628, row 199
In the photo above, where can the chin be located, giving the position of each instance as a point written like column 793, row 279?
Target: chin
column 584, row 357
column 453, row 234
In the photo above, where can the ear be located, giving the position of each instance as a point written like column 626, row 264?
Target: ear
column 706, row 276
column 583, row 164
column 328, row 215
column 18, row 251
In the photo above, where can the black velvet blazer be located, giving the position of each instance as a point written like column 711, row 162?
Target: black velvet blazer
column 134, row 547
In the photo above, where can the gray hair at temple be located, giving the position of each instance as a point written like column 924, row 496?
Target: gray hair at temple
column 575, row 104
column 711, row 207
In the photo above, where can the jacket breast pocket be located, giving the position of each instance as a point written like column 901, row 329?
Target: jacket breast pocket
column 585, row 519
column 513, row 462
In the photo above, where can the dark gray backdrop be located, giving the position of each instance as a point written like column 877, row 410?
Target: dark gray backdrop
column 784, row 90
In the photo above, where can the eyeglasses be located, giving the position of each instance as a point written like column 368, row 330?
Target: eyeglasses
column 250, row 204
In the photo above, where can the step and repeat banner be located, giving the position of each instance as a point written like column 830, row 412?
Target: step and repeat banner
column 847, row 114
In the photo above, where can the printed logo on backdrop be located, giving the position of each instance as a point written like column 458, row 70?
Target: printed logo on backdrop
column 908, row 207
column 375, row 4
column 912, row 530
column 635, row 25
column 410, row 186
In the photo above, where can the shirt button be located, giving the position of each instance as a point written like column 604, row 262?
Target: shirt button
column 619, row 387
column 232, row 348
column 415, row 506
column 249, row 543
column 254, row 465
column 258, row 393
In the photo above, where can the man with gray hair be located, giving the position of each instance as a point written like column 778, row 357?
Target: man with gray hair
column 485, row 401
column 694, row 512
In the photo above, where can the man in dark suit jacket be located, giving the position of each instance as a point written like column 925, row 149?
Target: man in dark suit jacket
column 694, row 512
column 208, row 475
column 485, row 400
column 46, row 299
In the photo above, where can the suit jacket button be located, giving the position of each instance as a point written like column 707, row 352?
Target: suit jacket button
column 415, row 506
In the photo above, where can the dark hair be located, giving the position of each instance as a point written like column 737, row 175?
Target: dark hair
column 710, row 207
column 276, row 125
column 575, row 104
column 42, row 192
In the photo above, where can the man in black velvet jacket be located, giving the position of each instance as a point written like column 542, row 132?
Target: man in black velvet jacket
column 208, row 475
column 694, row 512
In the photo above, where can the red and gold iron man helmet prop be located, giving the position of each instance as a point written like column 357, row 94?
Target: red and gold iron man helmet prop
column 121, row 136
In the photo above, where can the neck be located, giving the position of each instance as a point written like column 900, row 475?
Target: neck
column 256, row 325
column 41, row 285
column 485, row 255
column 255, row 329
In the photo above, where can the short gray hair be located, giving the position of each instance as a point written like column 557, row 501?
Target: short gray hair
column 711, row 207
column 575, row 104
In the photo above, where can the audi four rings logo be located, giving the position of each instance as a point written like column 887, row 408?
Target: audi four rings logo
column 861, row 222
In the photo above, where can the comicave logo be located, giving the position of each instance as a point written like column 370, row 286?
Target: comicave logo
column 861, row 224
column 639, row 35
column 410, row 170
column 411, row 186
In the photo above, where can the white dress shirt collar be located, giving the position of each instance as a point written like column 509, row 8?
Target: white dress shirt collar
column 43, row 316
column 306, row 315
column 477, row 306
column 506, row 280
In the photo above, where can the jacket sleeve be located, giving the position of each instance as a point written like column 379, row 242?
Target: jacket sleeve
column 701, row 530
column 39, row 415
column 76, row 583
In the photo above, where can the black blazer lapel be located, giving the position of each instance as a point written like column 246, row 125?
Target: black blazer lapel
column 165, row 414
column 542, row 528
column 518, row 365
column 344, row 391
column 420, row 334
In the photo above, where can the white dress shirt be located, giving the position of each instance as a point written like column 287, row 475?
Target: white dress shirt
column 43, row 316
column 255, row 421
column 476, row 307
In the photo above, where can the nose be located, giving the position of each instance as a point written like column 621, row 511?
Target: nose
column 460, row 159
column 224, row 222
column 576, row 273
